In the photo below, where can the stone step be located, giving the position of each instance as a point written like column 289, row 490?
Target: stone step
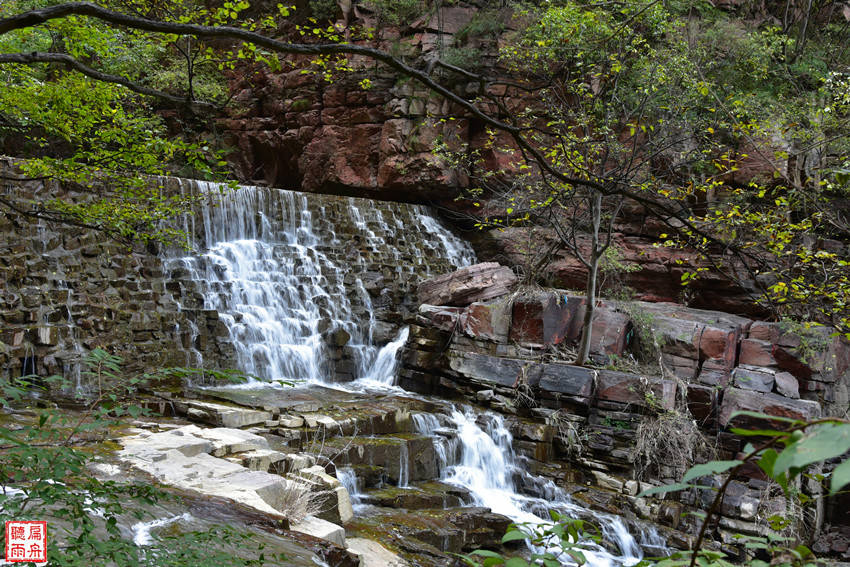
column 417, row 497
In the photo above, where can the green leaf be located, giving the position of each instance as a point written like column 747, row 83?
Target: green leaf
column 485, row 553
column 711, row 467
column 767, row 462
column 666, row 488
column 824, row 441
column 758, row 432
column 758, row 415
column 516, row 562
column 840, row 477
column 514, row 535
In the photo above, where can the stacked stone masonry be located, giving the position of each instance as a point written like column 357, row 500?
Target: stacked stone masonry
column 65, row 291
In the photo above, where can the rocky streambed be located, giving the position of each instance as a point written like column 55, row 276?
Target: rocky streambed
column 367, row 476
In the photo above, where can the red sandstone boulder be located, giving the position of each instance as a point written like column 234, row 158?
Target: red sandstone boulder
column 467, row 285
column 487, row 320
column 546, row 318
column 609, row 331
column 756, row 353
column 443, row 318
column 631, row 389
column 735, row 399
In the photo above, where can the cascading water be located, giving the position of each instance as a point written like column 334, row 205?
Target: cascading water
column 279, row 287
column 485, row 465
column 348, row 478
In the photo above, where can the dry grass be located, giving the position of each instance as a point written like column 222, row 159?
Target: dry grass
column 667, row 445
column 297, row 501
column 567, row 432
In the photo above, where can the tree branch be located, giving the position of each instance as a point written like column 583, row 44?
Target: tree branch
column 41, row 57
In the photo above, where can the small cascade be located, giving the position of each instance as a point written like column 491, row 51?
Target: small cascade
column 455, row 250
column 142, row 535
column 348, row 478
column 381, row 371
column 486, row 466
column 282, row 280
column 403, row 466
column 446, row 443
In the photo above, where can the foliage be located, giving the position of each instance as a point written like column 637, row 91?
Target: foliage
column 105, row 138
column 613, row 268
column 44, row 464
column 398, row 12
column 557, row 543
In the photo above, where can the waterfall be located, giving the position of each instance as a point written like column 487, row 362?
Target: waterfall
column 283, row 277
column 487, row 465
column 348, row 478
column 382, row 370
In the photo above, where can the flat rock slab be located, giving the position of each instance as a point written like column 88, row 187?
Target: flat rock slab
column 184, row 439
column 566, row 379
column 631, row 389
column 321, row 529
column 373, row 554
column 478, row 282
column 229, row 441
column 735, row 399
column 188, row 458
column 226, row 416
column 493, row 369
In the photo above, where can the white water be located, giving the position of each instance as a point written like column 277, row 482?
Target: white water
column 348, row 478
column 277, row 277
column 484, row 463
column 142, row 530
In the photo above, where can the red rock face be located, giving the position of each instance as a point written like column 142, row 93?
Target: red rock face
column 298, row 132
column 544, row 319
column 478, row 282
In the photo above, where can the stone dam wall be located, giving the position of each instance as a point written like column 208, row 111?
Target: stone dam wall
column 66, row 290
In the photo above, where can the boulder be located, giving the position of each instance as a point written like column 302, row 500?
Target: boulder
column 373, row 554
column 545, row 318
column 609, row 331
column 736, row 399
column 756, row 352
column 714, row 373
column 488, row 369
column 631, row 389
column 336, row 506
column 443, row 318
column 478, row 282
column 566, row 379
column 786, row 384
column 321, row 529
column 226, row 416
column 489, row 320
column 753, row 378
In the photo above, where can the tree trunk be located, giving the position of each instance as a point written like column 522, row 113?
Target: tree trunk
column 589, row 310
column 590, row 288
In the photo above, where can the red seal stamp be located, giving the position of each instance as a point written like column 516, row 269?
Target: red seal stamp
column 26, row 541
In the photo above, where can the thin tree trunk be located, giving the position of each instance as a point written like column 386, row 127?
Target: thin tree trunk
column 592, row 273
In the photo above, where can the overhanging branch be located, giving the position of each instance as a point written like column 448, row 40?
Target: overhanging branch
column 40, row 57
